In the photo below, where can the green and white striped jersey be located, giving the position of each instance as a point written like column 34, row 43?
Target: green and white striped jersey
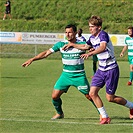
column 129, row 43
column 71, row 57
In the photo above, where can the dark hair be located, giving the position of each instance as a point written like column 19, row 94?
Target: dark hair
column 130, row 27
column 72, row 26
column 81, row 31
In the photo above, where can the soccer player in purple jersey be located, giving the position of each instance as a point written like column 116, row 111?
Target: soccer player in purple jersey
column 108, row 71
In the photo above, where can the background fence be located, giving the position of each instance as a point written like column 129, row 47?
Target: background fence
column 24, row 50
column 28, row 51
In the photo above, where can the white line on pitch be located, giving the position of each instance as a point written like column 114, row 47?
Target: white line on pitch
column 60, row 121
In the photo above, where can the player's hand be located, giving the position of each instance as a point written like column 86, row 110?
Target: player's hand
column 91, row 49
column 27, row 63
column 67, row 46
column 85, row 56
column 121, row 55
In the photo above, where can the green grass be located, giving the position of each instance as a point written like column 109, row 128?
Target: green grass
column 54, row 15
column 26, row 101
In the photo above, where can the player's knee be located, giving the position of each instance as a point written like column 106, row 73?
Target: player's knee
column 88, row 96
column 110, row 99
column 91, row 94
column 54, row 97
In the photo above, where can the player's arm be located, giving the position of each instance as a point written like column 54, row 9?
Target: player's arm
column 123, row 51
column 38, row 57
column 78, row 46
column 7, row 4
column 101, row 48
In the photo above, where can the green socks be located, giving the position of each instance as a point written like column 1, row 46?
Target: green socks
column 57, row 104
column 131, row 76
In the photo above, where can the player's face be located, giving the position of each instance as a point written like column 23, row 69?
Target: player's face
column 70, row 34
column 130, row 32
column 79, row 32
column 94, row 30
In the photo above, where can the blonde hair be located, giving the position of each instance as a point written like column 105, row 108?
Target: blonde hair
column 95, row 20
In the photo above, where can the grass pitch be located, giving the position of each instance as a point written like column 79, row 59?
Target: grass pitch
column 26, row 101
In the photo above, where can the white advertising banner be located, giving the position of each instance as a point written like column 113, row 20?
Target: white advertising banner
column 118, row 40
column 41, row 38
column 48, row 38
column 10, row 37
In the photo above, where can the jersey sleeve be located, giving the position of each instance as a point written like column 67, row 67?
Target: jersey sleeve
column 89, row 42
column 126, row 40
column 104, row 37
column 84, row 39
column 57, row 47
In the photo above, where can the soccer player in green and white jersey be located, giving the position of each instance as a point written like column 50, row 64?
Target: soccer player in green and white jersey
column 73, row 70
column 129, row 46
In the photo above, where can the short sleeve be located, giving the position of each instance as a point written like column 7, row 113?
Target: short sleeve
column 89, row 42
column 57, row 46
column 104, row 37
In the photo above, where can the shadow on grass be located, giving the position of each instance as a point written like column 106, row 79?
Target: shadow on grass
column 123, row 77
column 120, row 118
column 91, row 118
column 114, row 119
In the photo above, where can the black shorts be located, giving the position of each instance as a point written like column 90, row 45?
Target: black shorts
column 7, row 11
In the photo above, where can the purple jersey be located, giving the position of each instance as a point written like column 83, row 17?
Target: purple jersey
column 106, row 58
column 80, row 39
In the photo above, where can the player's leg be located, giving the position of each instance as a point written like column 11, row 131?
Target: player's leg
column 57, row 102
column 82, row 84
column 121, row 101
column 90, row 99
column 99, row 104
column 112, row 77
column 131, row 75
column 61, row 86
column 96, row 85
column 5, row 14
column 9, row 14
column 130, row 59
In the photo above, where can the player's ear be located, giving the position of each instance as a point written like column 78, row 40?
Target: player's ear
column 99, row 27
